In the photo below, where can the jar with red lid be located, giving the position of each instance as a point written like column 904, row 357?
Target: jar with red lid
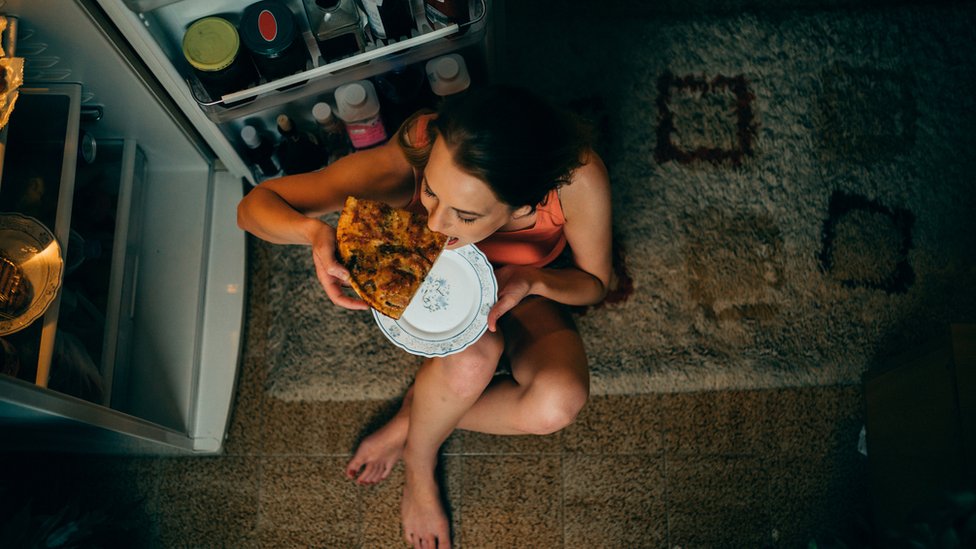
column 271, row 36
column 212, row 47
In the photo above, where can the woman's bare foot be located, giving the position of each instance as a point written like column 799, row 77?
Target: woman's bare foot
column 424, row 521
column 378, row 453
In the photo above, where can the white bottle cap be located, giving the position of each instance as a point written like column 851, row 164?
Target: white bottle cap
column 322, row 112
column 356, row 101
column 447, row 68
column 354, row 95
column 250, row 136
column 448, row 74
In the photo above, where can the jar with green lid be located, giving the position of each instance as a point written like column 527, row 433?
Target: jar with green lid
column 213, row 48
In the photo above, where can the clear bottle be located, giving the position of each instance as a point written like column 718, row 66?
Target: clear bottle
column 332, row 133
column 298, row 151
column 260, row 152
column 441, row 13
column 448, row 75
column 359, row 109
column 337, row 26
column 389, row 19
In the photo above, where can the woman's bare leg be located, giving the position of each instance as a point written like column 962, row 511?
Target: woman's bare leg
column 465, row 374
column 445, row 388
column 550, row 377
column 548, row 387
column 545, row 347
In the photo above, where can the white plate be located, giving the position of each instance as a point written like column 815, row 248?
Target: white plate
column 450, row 310
column 29, row 244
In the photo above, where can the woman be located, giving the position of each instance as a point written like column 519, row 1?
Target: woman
column 501, row 168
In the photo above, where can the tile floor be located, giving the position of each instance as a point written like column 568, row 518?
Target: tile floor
column 771, row 468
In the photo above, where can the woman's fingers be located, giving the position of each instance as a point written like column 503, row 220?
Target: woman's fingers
column 504, row 304
column 332, row 285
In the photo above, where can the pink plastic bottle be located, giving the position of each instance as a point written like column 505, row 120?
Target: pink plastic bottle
column 359, row 109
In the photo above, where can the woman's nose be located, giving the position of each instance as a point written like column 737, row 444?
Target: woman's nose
column 436, row 220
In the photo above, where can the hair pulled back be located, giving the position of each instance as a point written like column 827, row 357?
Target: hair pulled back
column 510, row 138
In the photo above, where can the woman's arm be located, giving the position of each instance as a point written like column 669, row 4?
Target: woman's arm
column 285, row 210
column 587, row 206
column 281, row 210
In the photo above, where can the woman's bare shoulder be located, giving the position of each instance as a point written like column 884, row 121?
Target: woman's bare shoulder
column 590, row 182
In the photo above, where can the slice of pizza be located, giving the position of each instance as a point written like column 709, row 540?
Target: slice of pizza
column 387, row 251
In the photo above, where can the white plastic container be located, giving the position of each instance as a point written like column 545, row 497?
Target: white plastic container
column 448, row 74
column 359, row 108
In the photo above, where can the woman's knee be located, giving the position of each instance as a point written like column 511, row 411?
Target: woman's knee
column 551, row 408
column 470, row 371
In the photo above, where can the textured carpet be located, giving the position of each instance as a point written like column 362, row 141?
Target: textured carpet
column 793, row 194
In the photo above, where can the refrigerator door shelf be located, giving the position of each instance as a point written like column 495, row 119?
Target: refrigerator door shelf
column 331, row 68
column 156, row 35
column 38, row 181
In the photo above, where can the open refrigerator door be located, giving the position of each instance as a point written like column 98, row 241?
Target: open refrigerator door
column 137, row 348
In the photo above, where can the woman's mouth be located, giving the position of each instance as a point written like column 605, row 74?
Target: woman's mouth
column 452, row 241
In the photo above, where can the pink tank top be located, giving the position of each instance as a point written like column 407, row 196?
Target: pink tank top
column 534, row 246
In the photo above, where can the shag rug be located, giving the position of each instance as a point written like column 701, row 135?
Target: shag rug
column 794, row 194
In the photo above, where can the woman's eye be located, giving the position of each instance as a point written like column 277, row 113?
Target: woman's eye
column 428, row 192
column 467, row 219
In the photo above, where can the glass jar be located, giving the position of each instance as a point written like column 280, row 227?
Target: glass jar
column 212, row 47
column 337, row 26
column 270, row 34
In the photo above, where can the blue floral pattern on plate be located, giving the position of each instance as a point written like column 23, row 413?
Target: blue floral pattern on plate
column 450, row 310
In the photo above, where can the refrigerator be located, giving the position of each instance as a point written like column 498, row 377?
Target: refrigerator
column 118, row 149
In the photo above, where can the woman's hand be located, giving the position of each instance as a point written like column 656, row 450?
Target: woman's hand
column 513, row 286
column 330, row 273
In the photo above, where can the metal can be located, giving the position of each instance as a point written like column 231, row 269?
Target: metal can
column 212, row 47
column 271, row 36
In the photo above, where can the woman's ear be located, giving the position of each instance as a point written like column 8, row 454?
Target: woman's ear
column 521, row 211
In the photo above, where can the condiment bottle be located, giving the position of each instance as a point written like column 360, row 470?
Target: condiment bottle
column 331, row 131
column 448, row 75
column 389, row 19
column 337, row 27
column 212, row 47
column 270, row 34
column 359, row 109
column 298, row 151
column 441, row 13
column 259, row 151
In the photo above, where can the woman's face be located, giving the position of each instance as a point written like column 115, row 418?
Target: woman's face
column 458, row 204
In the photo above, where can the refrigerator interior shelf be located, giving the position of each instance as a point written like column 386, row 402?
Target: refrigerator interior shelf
column 377, row 59
column 329, row 69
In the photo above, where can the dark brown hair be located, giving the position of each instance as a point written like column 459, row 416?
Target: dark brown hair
column 515, row 141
